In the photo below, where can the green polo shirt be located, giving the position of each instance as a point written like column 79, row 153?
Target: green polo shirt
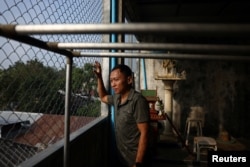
column 127, row 115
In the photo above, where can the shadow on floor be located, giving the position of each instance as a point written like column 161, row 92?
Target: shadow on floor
column 171, row 153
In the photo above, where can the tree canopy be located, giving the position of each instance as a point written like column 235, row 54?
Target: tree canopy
column 33, row 87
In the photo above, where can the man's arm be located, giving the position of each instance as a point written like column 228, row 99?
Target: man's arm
column 100, row 85
column 101, row 90
column 143, row 141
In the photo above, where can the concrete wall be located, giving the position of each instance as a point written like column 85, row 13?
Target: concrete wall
column 150, row 66
column 219, row 87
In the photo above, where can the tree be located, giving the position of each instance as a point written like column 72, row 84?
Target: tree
column 30, row 87
column 83, row 80
column 33, row 87
column 84, row 84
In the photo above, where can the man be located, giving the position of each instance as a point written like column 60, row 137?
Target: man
column 131, row 116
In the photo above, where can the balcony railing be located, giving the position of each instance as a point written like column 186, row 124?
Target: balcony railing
column 89, row 146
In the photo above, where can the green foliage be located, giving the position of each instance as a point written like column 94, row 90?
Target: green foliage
column 30, row 87
column 33, row 87
column 83, row 80
column 84, row 83
column 90, row 109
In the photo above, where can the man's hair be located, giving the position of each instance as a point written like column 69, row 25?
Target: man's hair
column 123, row 69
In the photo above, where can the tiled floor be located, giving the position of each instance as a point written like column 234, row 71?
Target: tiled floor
column 171, row 153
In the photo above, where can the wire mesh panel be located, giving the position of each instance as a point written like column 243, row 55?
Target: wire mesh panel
column 32, row 80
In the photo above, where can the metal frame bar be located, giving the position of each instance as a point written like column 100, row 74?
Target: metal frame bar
column 67, row 109
column 208, row 48
column 38, row 43
column 166, row 55
column 171, row 28
column 229, row 52
column 233, row 52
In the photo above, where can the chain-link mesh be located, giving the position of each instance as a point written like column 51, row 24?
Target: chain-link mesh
column 32, row 80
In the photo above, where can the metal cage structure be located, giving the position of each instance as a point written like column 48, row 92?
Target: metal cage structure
column 36, row 35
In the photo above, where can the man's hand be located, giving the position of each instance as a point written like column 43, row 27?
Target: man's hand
column 98, row 69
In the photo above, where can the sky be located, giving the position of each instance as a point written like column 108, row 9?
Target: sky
column 46, row 12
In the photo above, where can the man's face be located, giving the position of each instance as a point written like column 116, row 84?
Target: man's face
column 119, row 82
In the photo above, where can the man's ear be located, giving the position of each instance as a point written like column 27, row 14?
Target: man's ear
column 130, row 80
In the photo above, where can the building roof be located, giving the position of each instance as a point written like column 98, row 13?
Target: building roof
column 49, row 129
column 43, row 130
column 12, row 154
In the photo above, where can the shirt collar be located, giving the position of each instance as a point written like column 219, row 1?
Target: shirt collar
column 131, row 94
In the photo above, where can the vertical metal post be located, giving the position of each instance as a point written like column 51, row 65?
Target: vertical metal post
column 113, row 63
column 113, row 36
column 120, row 19
column 106, row 61
column 144, row 73
column 137, row 74
column 69, row 62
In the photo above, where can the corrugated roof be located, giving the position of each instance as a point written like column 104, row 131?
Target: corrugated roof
column 12, row 154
